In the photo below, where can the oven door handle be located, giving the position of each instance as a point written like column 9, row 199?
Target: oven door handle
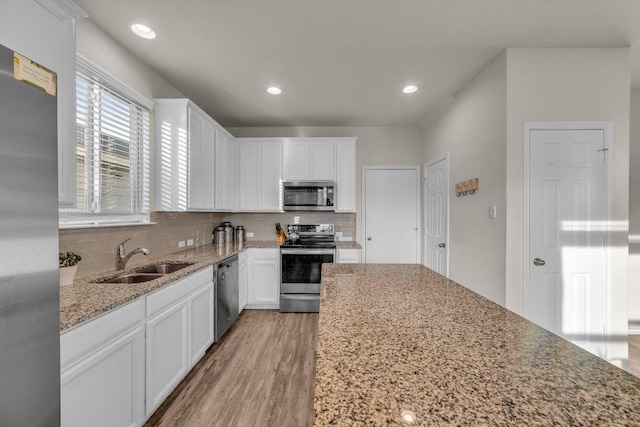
column 307, row 251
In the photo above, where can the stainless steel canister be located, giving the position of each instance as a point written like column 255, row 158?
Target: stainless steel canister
column 218, row 236
column 228, row 232
column 238, row 235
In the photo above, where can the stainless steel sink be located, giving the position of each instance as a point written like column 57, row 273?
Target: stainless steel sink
column 131, row 278
column 164, row 268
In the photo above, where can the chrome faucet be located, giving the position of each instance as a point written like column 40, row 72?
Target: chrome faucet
column 121, row 258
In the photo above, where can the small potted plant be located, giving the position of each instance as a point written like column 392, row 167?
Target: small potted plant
column 68, row 267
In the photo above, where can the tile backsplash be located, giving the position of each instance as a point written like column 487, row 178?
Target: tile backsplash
column 97, row 246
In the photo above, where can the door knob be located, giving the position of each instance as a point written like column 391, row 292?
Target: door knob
column 538, row 262
column 441, row 245
column 369, row 238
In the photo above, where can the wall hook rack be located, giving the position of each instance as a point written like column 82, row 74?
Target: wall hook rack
column 469, row 186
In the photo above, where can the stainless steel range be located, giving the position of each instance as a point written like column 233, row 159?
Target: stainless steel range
column 301, row 259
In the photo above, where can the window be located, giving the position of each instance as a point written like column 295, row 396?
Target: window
column 112, row 152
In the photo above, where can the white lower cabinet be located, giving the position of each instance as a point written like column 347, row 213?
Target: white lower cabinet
column 200, row 323
column 243, row 279
column 179, row 329
column 264, row 279
column 348, row 256
column 118, row 368
column 167, row 353
column 102, row 370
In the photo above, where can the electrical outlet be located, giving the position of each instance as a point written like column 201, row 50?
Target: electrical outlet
column 338, row 233
column 190, row 242
column 249, row 234
column 181, row 244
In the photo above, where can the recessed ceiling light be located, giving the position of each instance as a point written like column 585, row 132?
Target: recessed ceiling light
column 410, row 88
column 408, row 416
column 143, row 31
column 274, row 90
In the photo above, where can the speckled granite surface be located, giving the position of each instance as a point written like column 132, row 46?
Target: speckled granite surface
column 84, row 300
column 401, row 337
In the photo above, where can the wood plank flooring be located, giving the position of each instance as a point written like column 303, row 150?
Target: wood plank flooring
column 261, row 373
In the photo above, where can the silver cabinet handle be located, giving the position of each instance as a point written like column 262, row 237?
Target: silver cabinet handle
column 538, row 262
column 442, row 245
column 369, row 238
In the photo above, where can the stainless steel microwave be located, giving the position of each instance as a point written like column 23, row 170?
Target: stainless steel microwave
column 309, row 195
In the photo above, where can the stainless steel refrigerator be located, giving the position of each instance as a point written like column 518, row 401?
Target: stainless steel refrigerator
column 29, row 290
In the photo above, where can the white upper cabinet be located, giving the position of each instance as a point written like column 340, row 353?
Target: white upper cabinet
column 224, row 173
column 201, row 190
column 260, row 174
column 194, row 159
column 45, row 32
column 346, row 175
column 309, row 159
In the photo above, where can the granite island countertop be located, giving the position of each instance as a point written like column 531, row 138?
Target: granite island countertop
column 402, row 337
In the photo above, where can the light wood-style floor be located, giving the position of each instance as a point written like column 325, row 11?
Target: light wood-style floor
column 261, row 373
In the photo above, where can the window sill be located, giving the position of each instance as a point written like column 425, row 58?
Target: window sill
column 102, row 225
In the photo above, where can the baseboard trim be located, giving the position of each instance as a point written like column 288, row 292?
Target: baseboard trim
column 634, row 330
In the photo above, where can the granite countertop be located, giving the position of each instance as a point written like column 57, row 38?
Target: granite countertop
column 84, row 300
column 402, row 337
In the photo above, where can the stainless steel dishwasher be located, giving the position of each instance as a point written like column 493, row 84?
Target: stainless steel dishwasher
column 226, row 296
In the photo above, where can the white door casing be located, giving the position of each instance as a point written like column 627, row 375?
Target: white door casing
column 436, row 224
column 390, row 214
column 567, row 231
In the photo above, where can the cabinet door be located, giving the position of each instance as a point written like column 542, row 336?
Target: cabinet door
column 348, row 256
column 200, row 323
column 264, row 289
column 201, row 163
column 171, row 154
column 346, row 176
column 250, row 185
column 243, row 278
column 167, row 349
column 270, row 176
column 107, row 388
column 322, row 161
column 296, row 161
column 224, row 172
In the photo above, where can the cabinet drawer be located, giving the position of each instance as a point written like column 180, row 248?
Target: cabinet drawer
column 76, row 343
column 178, row 290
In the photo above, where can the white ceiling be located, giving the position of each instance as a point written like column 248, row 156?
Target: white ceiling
column 344, row 62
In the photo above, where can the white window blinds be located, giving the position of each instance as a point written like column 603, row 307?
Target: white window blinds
column 112, row 153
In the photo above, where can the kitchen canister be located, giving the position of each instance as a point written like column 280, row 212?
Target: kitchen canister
column 238, row 235
column 218, row 236
column 228, row 232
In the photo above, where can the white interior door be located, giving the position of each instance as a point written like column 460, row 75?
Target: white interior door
column 436, row 180
column 568, row 213
column 391, row 213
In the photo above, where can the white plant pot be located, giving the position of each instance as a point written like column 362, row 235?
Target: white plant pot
column 67, row 274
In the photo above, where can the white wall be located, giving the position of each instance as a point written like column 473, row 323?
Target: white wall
column 375, row 146
column 569, row 85
column 95, row 45
column 472, row 130
column 634, row 216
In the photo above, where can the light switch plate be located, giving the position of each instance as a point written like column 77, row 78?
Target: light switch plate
column 190, row 242
column 181, row 244
column 249, row 234
column 492, row 212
